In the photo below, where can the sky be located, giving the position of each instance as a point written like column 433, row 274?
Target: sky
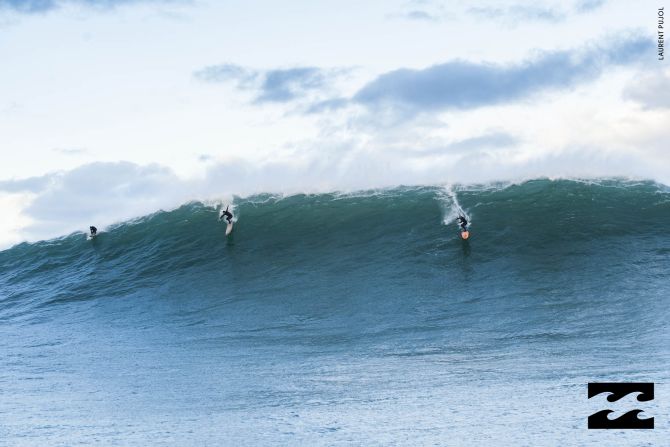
column 112, row 109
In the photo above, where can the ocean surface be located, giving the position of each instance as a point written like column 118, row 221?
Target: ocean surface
column 345, row 319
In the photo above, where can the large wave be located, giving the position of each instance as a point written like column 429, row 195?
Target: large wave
column 335, row 236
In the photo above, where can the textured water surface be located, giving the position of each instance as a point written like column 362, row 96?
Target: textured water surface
column 344, row 319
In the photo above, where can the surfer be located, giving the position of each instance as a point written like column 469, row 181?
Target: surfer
column 227, row 214
column 94, row 230
column 463, row 222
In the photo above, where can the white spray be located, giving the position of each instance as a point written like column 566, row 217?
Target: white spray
column 452, row 209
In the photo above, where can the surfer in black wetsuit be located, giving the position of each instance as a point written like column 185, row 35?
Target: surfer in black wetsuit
column 463, row 222
column 227, row 214
column 94, row 230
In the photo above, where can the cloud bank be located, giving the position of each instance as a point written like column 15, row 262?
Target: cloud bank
column 651, row 90
column 589, row 5
column 97, row 192
column 519, row 13
column 522, row 13
column 276, row 85
column 43, row 6
column 468, row 85
column 453, row 85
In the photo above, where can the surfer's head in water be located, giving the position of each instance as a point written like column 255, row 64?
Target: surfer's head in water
column 463, row 222
column 227, row 214
column 93, row 230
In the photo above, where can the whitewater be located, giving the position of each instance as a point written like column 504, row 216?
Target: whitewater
column 344, row 319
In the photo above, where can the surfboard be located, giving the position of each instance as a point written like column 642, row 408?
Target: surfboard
column 229, row 228
column 465, row 234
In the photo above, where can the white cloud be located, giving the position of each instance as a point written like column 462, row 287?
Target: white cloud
column 651, row 89
column 14, row 220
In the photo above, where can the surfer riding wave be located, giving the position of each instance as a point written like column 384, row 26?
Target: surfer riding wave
column 463, row 222
column 227, row 214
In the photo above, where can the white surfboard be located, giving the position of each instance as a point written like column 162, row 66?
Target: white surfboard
column 229, row 228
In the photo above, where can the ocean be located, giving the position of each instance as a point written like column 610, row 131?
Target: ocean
column 345, row 319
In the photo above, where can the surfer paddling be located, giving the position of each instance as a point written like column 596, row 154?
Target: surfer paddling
column 227, row 214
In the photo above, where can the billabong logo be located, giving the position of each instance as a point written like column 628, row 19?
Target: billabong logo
column 617, row 391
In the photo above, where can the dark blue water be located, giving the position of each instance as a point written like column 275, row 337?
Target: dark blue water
column 357, row 319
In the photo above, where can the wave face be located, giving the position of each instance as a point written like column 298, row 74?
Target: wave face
column 323, row 316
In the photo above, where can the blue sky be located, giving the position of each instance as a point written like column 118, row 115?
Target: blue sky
column 113, row 109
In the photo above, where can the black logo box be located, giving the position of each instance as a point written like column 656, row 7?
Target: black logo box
column 617, row 391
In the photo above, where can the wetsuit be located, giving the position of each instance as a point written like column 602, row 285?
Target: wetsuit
column 228, row 215
column 463, row 222
column 94, row 230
